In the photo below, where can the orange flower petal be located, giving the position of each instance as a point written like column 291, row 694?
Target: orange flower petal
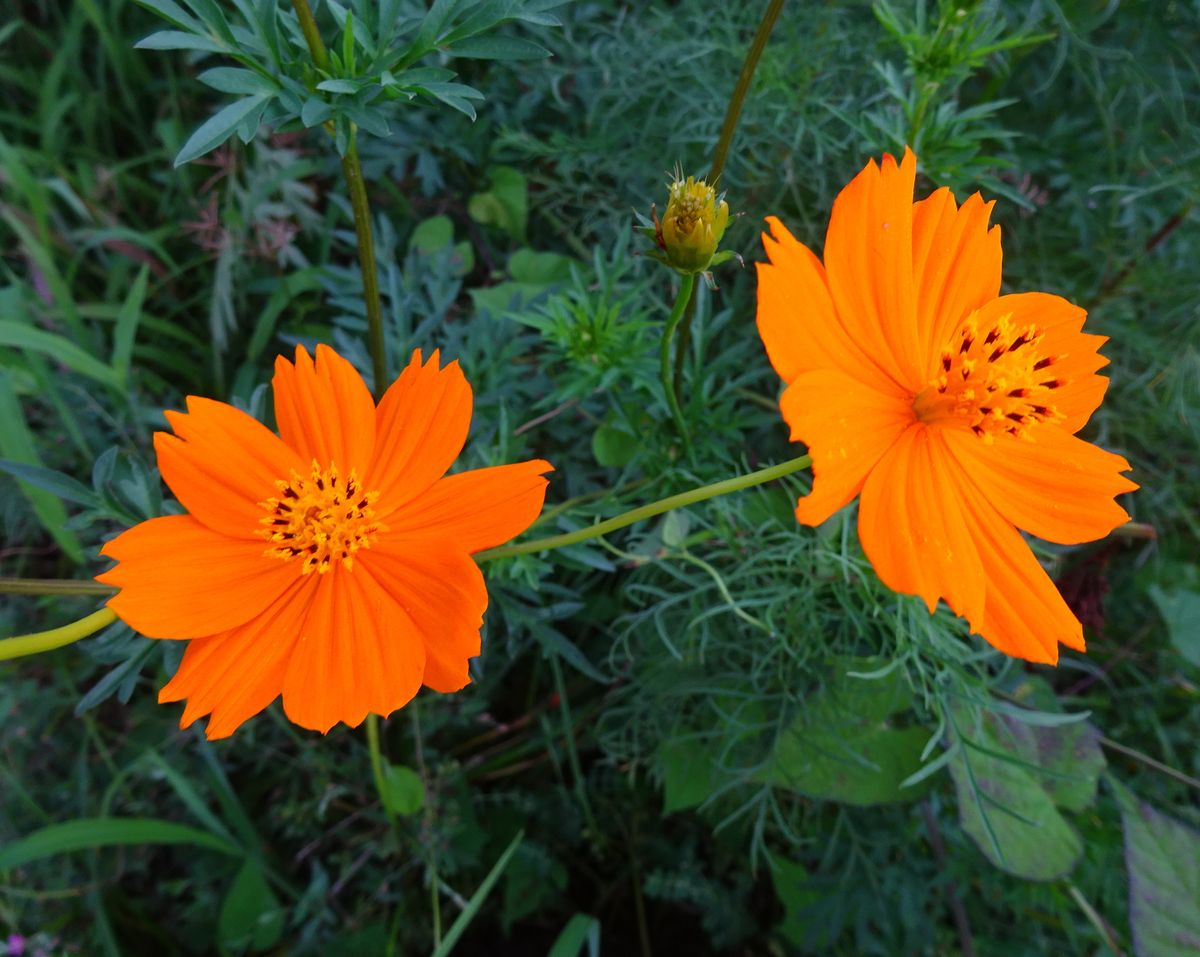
column 422, row 423
column 1077, row 358
column 180, row 579
column 869, row 267
column 324, row 410
column 848, row 427
column 475, row 510
column 442, row 591
column 956, row 267
column 221, row 463
column 357, row 654
column 912, row 528
column 796, row 318
column 1024, row 615
column 1056, row 486
column 235, row 674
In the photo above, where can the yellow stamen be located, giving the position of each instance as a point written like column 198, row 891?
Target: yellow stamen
column 320, row 519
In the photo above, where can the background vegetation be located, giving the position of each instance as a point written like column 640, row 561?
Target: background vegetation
column 717, row 733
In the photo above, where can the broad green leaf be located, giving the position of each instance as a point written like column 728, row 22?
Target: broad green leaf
column 1007, row 811
column 432, row 234
column 613, row 447
column 88, row 833
column 1180, row 609
column 497, row 48
column 315, row 111
column 56, row 483
column 505, row 204
column 839, row 747
column 250, row 915
column 404, row 790
column 805, row 925
column 63, row 351
column 528, row 265
column 178, row 40
column 219, row 127
column 1163, row 857
column 230, row 79
column 690, row 773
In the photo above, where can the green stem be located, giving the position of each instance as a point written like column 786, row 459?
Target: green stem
column 681, row 301
column 366, row 264
column 1150, row 762
column 733, row 112
column 435, row 900
column 23, row 645
column 681, row 500
column 377, row 766
column 53, row 586
column 352, row 169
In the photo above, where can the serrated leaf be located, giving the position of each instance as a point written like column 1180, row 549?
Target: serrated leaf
column 1163, row 858
column 219, row 127
column 497, row 48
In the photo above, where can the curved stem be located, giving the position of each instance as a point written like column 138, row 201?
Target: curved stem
column 53, row 586
column 41, row 641
column 352, row 170
column 681, row 500
column 664, row 357
column 733, row 112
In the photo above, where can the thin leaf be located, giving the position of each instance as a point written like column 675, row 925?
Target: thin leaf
column 219, row 127
column 497, row 48
column 88, row 833
column 464, row 919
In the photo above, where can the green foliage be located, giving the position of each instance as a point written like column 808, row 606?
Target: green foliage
column 746, row 752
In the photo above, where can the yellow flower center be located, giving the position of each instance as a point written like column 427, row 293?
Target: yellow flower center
column 995, row 380
column 321, row 519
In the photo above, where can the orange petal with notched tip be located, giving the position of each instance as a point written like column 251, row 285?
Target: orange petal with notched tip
column 799, row 326
column 324, row 410
column 443, row 593
column 422, row 422
column 357, row 654
column 1056, row 486
column 956, row 267
column 221, row 463
column 478, row 509
column 869, row 267
column 847, row 427
column 180, row 579
column 234, row 675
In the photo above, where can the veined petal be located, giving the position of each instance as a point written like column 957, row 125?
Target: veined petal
column 796, row 319
column 848, row 427
column 869, row 267
column 956, row 267
column 221, row 463
column 422, row 423
column 912, row 528
column 234, row 675
column 357, row 654
column 1055, row 486
column 443, row 594
column 324, row 410
column 180, row 579
column 1024, row 615
column 474, row 510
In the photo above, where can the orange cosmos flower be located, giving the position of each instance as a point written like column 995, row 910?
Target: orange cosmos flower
column 329, row 563
column 952, row 409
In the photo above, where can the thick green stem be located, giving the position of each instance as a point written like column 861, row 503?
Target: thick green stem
column 733, row 112
column 681, row 500
column 377, row 766
column 669, row 386
column 23, row 645
column 366, row 263
column 352, row 169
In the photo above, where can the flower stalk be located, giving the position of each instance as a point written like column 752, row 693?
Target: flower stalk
column 683, row 499
column 40, row 641
column 686, row 286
